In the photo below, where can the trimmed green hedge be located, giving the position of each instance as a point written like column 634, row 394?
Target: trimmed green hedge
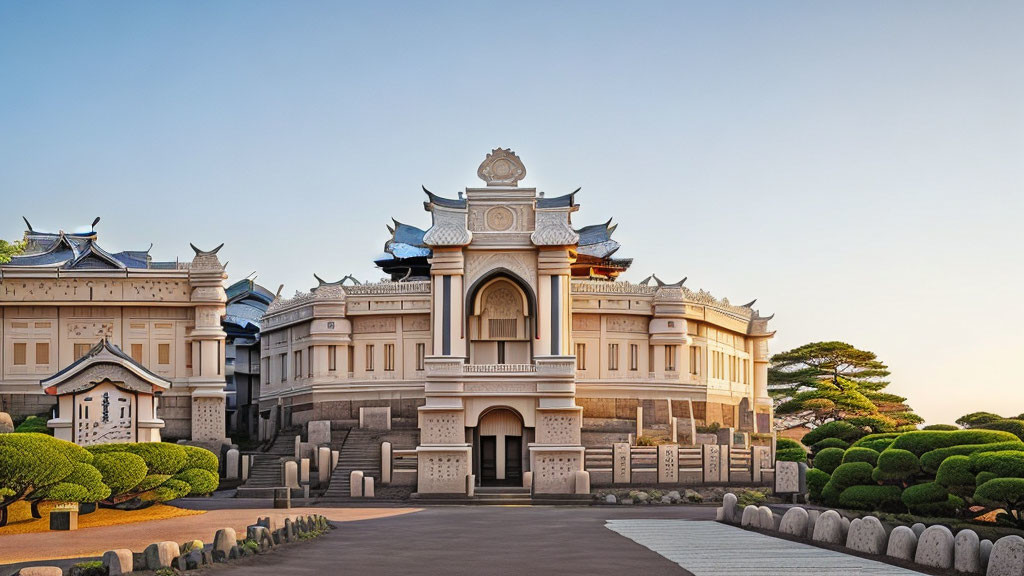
column 931, row 499
column 35, row 424
column 829, row 459
column 83, row 484
column 201, row 482
column 876, row 442
column 845, row 476
column 150, row 482
column 1004, row 493
column 122, row 471
column 955, row 475
column 791, row 455
column 160, row 457
column 983, row 477
column 786, row 444
column 829, row 443
column 860, row 455
column 836, row 429
column 1005, row 464
column 1015, row 427
column 170, row 490
column 873, row 497
column 816, row 481
column 895, row 465
column 931, row 460
column 201, row 458
column 941, row 427
column 927, row 440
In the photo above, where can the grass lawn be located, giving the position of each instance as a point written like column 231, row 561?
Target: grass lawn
column 20, row 520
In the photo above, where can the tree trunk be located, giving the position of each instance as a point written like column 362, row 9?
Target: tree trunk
column 35, row 509
column 3, row 516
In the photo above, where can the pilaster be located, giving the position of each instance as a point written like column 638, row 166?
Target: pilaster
column 206, row 385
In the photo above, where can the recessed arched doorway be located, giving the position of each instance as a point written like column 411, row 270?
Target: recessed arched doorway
column 500, row 446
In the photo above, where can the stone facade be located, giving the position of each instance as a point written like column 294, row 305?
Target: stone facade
column 504, row 336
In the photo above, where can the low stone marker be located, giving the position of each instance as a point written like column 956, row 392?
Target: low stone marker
column 385, row 463
column 323, row 468
column 304, row 471
column 222, row 543
column 918, row 529
column 298, row 446
column 750, row 515
column 1007, row 557
column 368, row 490
column 867, row 535
column 289, row 529
column 160, row 554
column 40, row 571
column 246, row 461
column 935, row 547
column 985, row 550
column 355, row 482
column 789, row 478
column 291, row 474
column 829, row 528
column 319, row 432
column 967, row 551
column 335, row 455
column 765, row 518
column 118, row 562
column 812, row 518
column 64, row 518
column 621, row 469
column 902, row 543
column 582, row 481
column 729, row 507
column 668, row 464
column 528, row 480
column 794, row 522
column 231, row 468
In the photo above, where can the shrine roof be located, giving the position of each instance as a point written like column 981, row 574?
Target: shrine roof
column 79, row 251
column 104, row 352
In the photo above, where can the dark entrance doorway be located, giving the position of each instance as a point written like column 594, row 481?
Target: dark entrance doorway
column 488, row 459
column 514, row 459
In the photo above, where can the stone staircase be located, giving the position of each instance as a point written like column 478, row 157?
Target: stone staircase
column 360, row 450
column 266, row 471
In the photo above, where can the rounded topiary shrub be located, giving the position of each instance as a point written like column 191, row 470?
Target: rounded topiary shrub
column 829, row 443
column 160, row 457
column 1015, row 427
column 1004, row 493
column 797, row 454
column 121, row 471
column 787, row 443
column 861, row 455
column 851, row 474
column 895, row 465
column 201, row 482
column 828, row 459
column 983, row 477
column 170, row 490
column 836, row 429
column 927, row 440
column 201, row 458
column 930, row 499
column 34, row 424
column 876, row 442
column 941, row 427
column 1004, row 464
column 150, row 482
column 873, row 497
column 931, row 460
column 955, row 475
column 816, row 480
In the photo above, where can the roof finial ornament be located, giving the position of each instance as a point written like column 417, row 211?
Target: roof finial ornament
column 749, row 304
column 502, row 167
column 27, row 224
column 95, row 222
column 647, row 280
column 279, row 289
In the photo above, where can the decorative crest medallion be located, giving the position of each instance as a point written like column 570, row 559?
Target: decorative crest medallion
column 501, row 168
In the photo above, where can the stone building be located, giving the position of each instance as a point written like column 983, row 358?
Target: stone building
column 246, row 305
column 76, row 318
column 505, row 337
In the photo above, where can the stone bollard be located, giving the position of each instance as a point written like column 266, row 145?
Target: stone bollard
column 223, row 541
column 231, row 467
column 40, row 571
column 794, row 522
column 1007, row 557
column 828, row 528
column 335, row 455
column 118, row 562
column 298, row 446
column 967, row 551
column 291, row 474
column 323, row 470
column 289, row 530
column 985, row 549
column 470, row 485
column 582, row 478
column 304, row 471
column 160, row 554
column 867, row 535
column 935, row 547
column 749, row 517
column 355, row 480
column 902, row 543
column 246, row 462
column 385, row 463
column 368, row 491
column 528, row 480
column 765, row 518
column 729, row 507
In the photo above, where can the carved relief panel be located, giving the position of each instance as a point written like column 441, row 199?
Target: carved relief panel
column 104, row 414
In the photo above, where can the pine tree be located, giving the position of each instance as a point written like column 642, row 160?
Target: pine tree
column 825, row 381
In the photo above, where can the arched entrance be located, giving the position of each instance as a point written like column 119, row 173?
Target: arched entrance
column 499, row 443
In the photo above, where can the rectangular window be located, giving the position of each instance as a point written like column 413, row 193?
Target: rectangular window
column 188, row 356
column 613, row 356
column 501, row 352
column 421, row 356
column 634, row 357
column 369, row 357
column 20, row 353
column 284, row 366
column 332, row 358
column 581, row 356
column 42, row 353
column 670, row 358
column 297, row 357
column 745, row 371
column 163, row 354
column 137, row 353
column 81, row 350
column 694, row 360
column 389, row 357
column 309, row 363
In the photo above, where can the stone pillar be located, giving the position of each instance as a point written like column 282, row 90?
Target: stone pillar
column 304, row 471
column 231, row 467
column 443, row 457
column 764, row 411
column 668, row 464
column 557, row 453
column 447, row 268
column 760, row 459
column 246, row 462
column 554, row 313
column 385, row 463
column 639, row 421
column 206, row 384
column 356, row 484
column 621, row 463
column 291, row 474
column 323, row 467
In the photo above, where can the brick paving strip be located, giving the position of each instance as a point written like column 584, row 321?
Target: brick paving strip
column 88, row 542
column 714, row 549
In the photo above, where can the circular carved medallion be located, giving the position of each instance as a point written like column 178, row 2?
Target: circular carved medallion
column 499, row 218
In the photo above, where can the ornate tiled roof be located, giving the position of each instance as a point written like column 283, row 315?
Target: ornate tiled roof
column 79, row 251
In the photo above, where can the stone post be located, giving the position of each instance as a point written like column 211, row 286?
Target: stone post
column 639, row 422
column 246, row 462
column 206, row 384
column 356, row 484
column 621, row 463
column 760, row 458
column 385, row 463
column 323, row 468
column 368, row 491
column 291, row 474
column 231, row 467
column 304, row 471
column 668, row 464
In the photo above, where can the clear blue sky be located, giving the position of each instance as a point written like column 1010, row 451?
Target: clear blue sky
column 857, row 166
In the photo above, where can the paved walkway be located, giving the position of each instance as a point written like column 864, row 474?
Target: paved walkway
column 714, row 549
column 88, row 542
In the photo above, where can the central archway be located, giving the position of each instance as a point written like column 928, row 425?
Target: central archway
column 499, row 442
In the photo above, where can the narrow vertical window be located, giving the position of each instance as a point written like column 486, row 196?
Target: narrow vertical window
column 42, row 353
column 581, row 356
column 670, row 358
column 163, row 353
column 613, row 356
column 501, row 352
column 694, row 360
column 309, row 363
column 284, row 366
column 137, row 353
column 634, row 357
column 188, row 355
column 421, row 355
column 369, row 357
column 20, row 353
column 389, row 357
column 81, row 350
column 332, row 358
column 297, row 357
